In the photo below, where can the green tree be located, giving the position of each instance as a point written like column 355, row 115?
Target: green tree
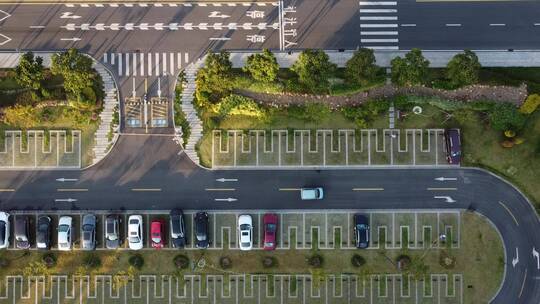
column 76, row 69
column 214, row 80
column 411, row 70
column 463, row 69
column 29, row 72
column 263, row 66
column 361, row 68
column 314, row 70
column 505, row 116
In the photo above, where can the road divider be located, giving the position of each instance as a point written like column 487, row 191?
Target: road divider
column 368, row 189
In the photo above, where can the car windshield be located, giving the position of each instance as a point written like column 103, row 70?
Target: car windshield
column 156, row 239
column 63, row 228
column 133, row 222
column 361, row 226
column 134, row 239
column 270, row 227
column 87, row 236
column 88, row 227
column 244, row 227
column 269, row 244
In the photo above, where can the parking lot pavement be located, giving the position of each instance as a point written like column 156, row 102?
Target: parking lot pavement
column 323, row 229
column 328, row 148
column 237, row 288
column 38, row 149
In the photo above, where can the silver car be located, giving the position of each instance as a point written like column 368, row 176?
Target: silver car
column 88, row 232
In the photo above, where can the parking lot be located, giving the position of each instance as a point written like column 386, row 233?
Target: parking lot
column 40, row 149
column 326, row 229
column 328, row 148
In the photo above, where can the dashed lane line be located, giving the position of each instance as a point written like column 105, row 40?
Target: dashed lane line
column 368, row 189
column 289, row 189
column 7, row 190
column 220, row 189
column 72, row 190
column 441, row 189
column 453, row 24
column 146, row 189
column 497, row 24
column 523, row 284
column 510, row 212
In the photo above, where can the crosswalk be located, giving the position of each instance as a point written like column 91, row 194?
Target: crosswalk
column 146, row 64
column 379, row 25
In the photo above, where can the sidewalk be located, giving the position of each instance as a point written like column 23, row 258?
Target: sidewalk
column 437, row 59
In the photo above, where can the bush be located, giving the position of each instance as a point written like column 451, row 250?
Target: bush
column 225, row 262
column 238, row 105
column 214, row 80
column 29, row 72
column 181, row 261
column 314, row 70
column 263, row 66
column 358, row 260
column 49, row 259
column 21, row 116
column 361, row 68
column 363, row 114
column 136, row 261
column 403, row 262
column 411, row 70
column 463, row 69
column 315, row 261
column 91, row 260
column 505, row 116
column 311, row 112
column 77, row 71
column 531, row 103
column 269, row 262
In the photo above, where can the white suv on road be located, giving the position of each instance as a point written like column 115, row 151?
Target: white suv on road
column 135, row 232
column 245, row 230
column 65, row 224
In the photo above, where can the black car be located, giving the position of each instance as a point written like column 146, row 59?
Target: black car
column 43, row 237
column 112, row 231
column 453, row 146
column 201, row 230
column 22, row 232
column 361, row 231
column 178, row 229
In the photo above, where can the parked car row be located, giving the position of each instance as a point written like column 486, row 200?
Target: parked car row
column 135, row 231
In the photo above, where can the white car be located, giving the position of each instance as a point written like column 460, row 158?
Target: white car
column 312, row 193
column 245, row 232
column 135, row 232
column 4, row 230
column 65, row 224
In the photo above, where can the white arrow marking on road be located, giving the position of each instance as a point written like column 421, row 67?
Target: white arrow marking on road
column 227, row 180
column 6, row 15
column 217, row 14
column 442, row 179
column 69, row 15
column 69, row 200
column 230, row 199
column 447, row 199
column 516, row 259
column 66, row 179
column 537, row 256
column 70, row 39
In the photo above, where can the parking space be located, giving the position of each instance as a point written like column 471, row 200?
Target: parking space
column 239, row 288
column 40, row 149
column 328, row 148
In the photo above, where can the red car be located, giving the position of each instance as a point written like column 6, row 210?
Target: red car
column 270, row 222
column 157, row 234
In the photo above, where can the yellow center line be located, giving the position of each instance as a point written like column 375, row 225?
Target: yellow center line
column 441, row 189
column 289, row 189
column 146, row 189
column 368, row 189
column 511, row 214
column 71, row 190
column 7, row 190
column 220, row 189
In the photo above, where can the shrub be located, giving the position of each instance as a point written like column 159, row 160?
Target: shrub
column 315, row 261
column 137, row 261
column 403, row 262
column 263, row 66
column 358, row 260
column 29, row 72
column 36, row 268
column 49, row 259
column 21, row 116
column 91, row 260
column 531, row 103
column 225, row 262
column 269, row 262
column 505, row 116
column 214, row 80
column 238, row 105
column 363, row 114
column 361, row 68
column 314, row 70
column 77, row 71
column 463, row 69
column 181, row 261
column 411, row 70
column 311, row 112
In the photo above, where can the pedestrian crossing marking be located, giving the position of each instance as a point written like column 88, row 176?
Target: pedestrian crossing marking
column 146, row 64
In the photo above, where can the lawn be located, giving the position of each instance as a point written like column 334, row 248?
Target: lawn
column 479, row 259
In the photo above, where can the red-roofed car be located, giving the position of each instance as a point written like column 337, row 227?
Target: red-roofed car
column 270, row 222
column 157, row 234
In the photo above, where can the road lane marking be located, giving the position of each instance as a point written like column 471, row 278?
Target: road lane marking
column 68, row 200
column 497, row 24
column 377, row 25
column 146, row 189
column 37, row 26
column 71, row 190
column 382, row 48
column 516, row 259
column 441, row 189
column 408, row 25
column 523, row 284
column 536, row 255
column 289, row 189
column 379, row 33
column 378, row 17
column 453, row 24
column 378, row 10
column 220, row 189
column 508, row 210
column 222, row 180
column 229, row 199
column 368, row 189
column 7, row 190
column 442, row 179
column 447, row 199
column 378, row 40
column 378, row 3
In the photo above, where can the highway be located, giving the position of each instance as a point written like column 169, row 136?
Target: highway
column 147, row 172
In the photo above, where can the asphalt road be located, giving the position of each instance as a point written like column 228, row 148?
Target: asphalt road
column 146, row 172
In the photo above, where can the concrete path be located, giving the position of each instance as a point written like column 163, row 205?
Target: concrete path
column 195, row 124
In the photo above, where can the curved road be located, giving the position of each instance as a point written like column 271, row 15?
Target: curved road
column 146, row 172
